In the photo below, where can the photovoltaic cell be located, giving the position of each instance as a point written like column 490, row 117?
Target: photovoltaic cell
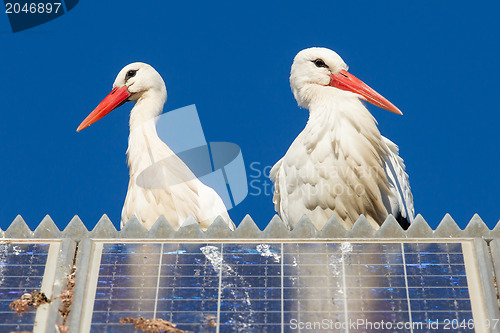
column 22, row 267
column 273, row 287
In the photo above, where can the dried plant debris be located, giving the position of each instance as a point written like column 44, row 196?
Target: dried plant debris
column 34, row 299
column 211, row 320
column 66, row 297
column 152, row 325
column 62, row 328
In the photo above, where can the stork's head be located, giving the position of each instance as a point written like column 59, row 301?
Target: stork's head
column 318, row 71
column 134, row 82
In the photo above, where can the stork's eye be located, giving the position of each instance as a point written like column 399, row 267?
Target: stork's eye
column 130, row 73
column 320, row 63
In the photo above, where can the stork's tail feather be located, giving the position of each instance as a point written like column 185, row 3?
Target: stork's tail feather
column 403, row 221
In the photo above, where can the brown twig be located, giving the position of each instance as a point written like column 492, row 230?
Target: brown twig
column 34, row 299
column 152, row 325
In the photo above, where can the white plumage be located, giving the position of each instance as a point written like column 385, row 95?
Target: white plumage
column 160, row 182
column 339, row 164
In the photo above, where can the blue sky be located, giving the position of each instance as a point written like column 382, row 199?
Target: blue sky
column 435, row 60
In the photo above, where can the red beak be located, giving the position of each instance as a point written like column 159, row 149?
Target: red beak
column 116, row 97
column 346, row 81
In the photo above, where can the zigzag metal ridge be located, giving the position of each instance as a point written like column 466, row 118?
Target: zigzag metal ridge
column 247, row 229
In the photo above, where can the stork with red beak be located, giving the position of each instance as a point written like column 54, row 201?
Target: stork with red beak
column 160, row 182
column 339, row 164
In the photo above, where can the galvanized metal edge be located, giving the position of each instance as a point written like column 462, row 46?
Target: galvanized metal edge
column 485, row 265
column 82, row 263
column 77, row 230
column 64, row 265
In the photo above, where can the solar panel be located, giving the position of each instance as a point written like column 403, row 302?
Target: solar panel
column 24, row 267
column 227, row 286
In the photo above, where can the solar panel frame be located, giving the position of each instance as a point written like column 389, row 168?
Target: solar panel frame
column 495, row 254
column 494, row 247
column 479, row 284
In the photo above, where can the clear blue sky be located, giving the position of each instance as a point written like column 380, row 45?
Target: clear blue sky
column 437, row 61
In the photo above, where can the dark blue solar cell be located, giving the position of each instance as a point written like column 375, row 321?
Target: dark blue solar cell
column 437, row 281
column 377, row 293
column 129, row 270
column 250, row 305
column 131, row 248
column 113, row 327
column 8, row 283
column 117, row 292
column 378, row 316
column 298, row 281
column 23, row 258
column 114, row 317
column 131, row 259
column 21, row 271
column 252, row 259
column 254, row 327
column 332, row 304
column 439, row 293
column 426, row 270
column 375, row 248
column 392, row 304
column 313, row 293
column 187, row 305
column 19, row 327
column 256, row 270
column 434, row 258
column 11, row 317
column 24, row 248
column 308, row 258
column 389, row 280
column 188, row 293
column 198, row 318
column 441, row 316
column 251, row 281
column 263, row 293
column 253, row 248
column 187, row 259
column 124, row 305
column 370, row 270
column 127, row 281
column 304, row 305
column 261, row 317
column 433, row 247
column 294, row 248
column 193, row 248
column 190, row 281
column 440, row 305
column 377, row 258
column 184, row 270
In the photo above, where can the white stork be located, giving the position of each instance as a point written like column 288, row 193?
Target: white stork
column 339, row 164
column 160, row 182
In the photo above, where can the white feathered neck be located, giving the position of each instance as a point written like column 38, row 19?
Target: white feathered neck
column 144, row 146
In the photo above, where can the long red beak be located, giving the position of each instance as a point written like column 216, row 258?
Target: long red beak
column 346, row 81
column 116, row 97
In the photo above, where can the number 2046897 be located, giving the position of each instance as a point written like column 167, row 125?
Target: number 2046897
column 32, row 8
